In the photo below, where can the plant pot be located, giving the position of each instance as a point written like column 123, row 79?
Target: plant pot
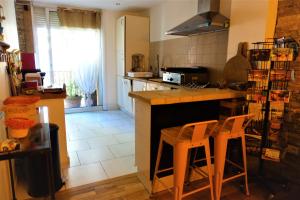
column 72, row 101
column 94, row 98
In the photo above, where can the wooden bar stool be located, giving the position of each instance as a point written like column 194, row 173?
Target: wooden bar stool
column 232, row 128
column 182, row 139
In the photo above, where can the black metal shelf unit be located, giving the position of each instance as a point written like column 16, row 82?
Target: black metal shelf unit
column 267, row 97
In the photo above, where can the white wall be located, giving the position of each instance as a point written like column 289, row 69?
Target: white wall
column 10, row 37
column 250, row 21
column 4, row 93
column 10, row 24
column 169, row 14
column 247, row 23
column 109, row 65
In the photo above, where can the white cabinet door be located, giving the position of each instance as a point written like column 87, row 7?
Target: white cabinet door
column 139, row 85
column 156, row 86
column 152, row 86
column 120, row 92
column 120, row 46
column 127, row 101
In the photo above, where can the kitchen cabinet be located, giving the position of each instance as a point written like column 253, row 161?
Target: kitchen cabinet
column 120, row 92
column 124, row 101
column 139, row 85
column 132, row 37
column 145, row 86
column 127, row 101
column 156, row 86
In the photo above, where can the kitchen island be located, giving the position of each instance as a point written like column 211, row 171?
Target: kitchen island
column 155, row 110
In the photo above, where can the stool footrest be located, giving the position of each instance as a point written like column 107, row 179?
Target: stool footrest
column 195, row 191
column 199, row 171
column 235, row 164
column 233, row 177
column 165, row 170
column 163, row 184
column 203, row 159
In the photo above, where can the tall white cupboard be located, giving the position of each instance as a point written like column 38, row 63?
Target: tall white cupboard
column 132, row 38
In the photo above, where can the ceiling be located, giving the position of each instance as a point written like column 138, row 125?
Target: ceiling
column 102, row 4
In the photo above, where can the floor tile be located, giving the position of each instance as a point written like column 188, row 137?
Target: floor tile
column 94, row 137
column 102, row 141
column 84, row 174
column 74, row 161
column 94, row 155
column 124, row 149
column 109, row 130
column 77, row 145
column 126, row 137
column 113, row 169
column 82, row 134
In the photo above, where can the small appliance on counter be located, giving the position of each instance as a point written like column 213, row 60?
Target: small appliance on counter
column 186, row 75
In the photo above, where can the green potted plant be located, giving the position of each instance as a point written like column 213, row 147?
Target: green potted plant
column 73, row 99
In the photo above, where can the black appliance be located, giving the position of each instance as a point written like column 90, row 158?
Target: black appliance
column 36, row 169
column 186, row 75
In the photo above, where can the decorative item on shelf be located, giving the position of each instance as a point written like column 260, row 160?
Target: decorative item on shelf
column 271, row 154
column 138, row 62
column 260, row 54
column 9, row 145
column 19, row 127
column 14, row 71
column 1, row 19
column 281, row 54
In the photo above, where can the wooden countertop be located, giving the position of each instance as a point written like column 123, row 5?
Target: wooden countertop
column 185, row 95
column 154, row 80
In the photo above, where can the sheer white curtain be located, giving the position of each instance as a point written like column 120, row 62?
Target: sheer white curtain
column 78, row 50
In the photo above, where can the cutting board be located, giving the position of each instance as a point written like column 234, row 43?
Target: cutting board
column 236, row 68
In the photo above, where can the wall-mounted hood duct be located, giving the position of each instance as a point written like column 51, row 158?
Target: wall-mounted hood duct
column 208, row 19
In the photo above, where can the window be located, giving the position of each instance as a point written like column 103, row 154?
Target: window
column 67, row 55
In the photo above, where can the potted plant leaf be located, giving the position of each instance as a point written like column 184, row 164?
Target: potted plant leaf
column 73, row 99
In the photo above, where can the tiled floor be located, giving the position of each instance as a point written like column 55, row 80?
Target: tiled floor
column 100, row 146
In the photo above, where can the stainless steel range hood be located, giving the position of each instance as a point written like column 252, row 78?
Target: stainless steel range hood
column 208, row 19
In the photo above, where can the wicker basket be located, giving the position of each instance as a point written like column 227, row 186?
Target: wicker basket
column 18, row 133
column 20, row 111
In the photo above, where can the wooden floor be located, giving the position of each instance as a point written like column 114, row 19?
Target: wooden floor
column 130, row 188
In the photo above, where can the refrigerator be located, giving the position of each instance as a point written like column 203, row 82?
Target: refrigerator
column 4, row 93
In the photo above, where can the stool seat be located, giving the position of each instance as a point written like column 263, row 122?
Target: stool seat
column 171, row 136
